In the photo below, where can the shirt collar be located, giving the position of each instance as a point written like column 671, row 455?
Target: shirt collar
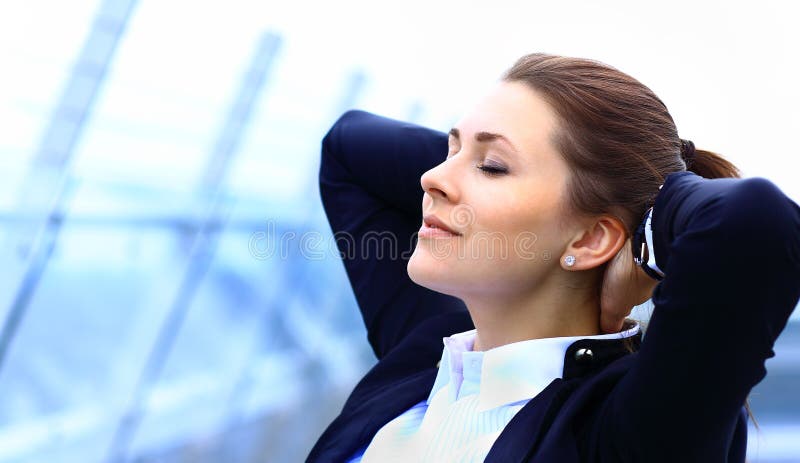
column 509, row 373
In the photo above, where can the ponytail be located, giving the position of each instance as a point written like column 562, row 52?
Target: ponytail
column 707, row 164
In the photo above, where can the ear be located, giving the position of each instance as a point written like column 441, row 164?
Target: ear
column 597, row 244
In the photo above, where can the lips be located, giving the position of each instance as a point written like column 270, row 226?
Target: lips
column 433, row 222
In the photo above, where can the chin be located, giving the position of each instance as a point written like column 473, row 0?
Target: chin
column 434, row 274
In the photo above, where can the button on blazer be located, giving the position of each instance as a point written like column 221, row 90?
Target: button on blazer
column 730, row 251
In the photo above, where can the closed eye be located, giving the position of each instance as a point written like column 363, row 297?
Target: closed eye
column 492, row 170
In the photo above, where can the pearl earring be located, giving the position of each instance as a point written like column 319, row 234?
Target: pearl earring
column 569, row 260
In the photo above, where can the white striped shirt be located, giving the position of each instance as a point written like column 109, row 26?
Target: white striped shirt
column 473, row 398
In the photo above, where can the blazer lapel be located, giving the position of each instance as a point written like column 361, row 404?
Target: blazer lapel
column 534, row 419
column 527, row 425
column 355, row 428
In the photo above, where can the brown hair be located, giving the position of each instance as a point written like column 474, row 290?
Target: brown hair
column 616, row 135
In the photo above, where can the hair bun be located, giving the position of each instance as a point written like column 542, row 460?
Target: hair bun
column 687, row 152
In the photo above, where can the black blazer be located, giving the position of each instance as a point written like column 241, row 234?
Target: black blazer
column 730, row 249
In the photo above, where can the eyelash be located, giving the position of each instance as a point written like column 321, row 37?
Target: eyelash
column 490, row 170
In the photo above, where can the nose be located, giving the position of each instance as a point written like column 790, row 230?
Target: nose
column 439, row 182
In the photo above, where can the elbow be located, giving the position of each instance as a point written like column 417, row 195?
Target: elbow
column 763, row 219
column 331, row 149
column 331, row 140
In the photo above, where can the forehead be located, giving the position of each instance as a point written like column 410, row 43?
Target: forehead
column 515, row 111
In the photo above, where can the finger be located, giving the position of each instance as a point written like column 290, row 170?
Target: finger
column 611, row 322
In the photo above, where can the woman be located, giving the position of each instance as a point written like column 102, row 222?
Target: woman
column 561, row 201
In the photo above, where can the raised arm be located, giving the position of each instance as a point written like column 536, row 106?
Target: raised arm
column 369, row 180
column 730, row 252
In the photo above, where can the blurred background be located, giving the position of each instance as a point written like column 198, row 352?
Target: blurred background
column 158, row 169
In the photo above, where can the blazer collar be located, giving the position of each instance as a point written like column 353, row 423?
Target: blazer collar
column 517, row 371
column 582, row 358
column 586, row 356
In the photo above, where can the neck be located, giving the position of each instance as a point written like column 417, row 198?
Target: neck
column 545, row 312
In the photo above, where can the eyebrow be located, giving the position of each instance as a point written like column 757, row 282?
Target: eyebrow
column 485, row 137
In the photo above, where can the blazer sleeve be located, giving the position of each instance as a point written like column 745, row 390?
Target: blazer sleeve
column 730, row 251
column 369, row 180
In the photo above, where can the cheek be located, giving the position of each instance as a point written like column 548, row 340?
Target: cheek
column 508, row 245
column 525, row 232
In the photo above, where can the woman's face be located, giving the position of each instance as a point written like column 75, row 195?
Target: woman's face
column 502, row 188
